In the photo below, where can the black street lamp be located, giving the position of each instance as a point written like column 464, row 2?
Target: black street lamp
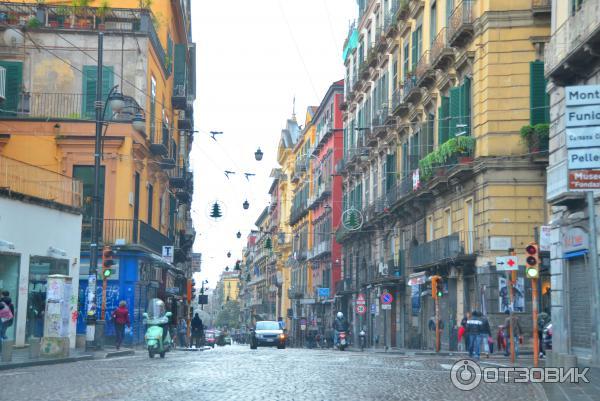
column 258, row 155
column 246, row 204
column 239, row 234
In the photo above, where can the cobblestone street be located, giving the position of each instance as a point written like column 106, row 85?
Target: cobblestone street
column 237, row 373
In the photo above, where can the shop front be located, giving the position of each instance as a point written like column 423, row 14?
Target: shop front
column 9, row 281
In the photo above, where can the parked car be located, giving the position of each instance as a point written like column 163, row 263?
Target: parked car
column 267, row 333
column 210, row 338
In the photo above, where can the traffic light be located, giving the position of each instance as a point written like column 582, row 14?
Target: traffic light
column 107, row 262
column 532, row 260
column 437, row 287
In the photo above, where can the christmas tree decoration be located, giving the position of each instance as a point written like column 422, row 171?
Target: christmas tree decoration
column 352, row 219
column 268, row 244
column 246, row 204
column 215, row 210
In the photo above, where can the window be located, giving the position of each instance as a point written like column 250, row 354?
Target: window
column 460, row 109
column 576, row 5
column 417, row 45
column 443, row 123
column 150, row 201
column 86, row 175
column 433, row 23
column 90, row 77
column 405, row 71
column 395, row 73
column 14, row 82
column 539, row 100
column 448, row 221
column 430, row 229
column 449, row 9
column 152, row 109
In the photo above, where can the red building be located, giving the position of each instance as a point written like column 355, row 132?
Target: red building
column 326, row 201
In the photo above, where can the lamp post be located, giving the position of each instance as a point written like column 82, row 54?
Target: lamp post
column 116, row 102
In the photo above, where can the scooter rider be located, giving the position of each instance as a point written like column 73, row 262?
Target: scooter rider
column 339, row 324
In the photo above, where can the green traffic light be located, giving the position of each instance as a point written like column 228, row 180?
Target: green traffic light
column 532, row 272
column 106, row 273
column 440, row 294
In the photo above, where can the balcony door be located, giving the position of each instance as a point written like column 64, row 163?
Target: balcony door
column 136, row 206
column 470, row 226
column 86, row 175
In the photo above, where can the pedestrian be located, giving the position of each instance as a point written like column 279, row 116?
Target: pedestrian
column 182, row 332
column 121, row 318
column 5, row 316
column 486, row 336
column 474, row 330
column 500, row 338
column 517, row 332
column 542, row 321
column 463, row 324
column 8, row 302
column 197, row 331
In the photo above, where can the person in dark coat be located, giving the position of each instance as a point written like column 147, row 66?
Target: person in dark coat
column 474, row 330
column 121, row 318
column 197, row 331
column 8, row 302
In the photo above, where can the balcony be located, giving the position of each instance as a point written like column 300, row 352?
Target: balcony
column 32, row 181
column 123, row 232
column 460, row 28
column 412, row 92
column 567, row 56
column 364, row 73
column 379, row 121
column 179, row 98
column 178, row 177
column 402, row 11
column 344, row 285
column 442, row 54
column 391, row 24
column 372, row 58
column 399, row 106
column 340, row 167
column 457, row 246
column 295, row 293
column 541, row 8
column 185, row 119
column 425, row 74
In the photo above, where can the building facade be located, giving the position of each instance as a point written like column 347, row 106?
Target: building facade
column 49, row 53
column 438, row 179
column 572, row 61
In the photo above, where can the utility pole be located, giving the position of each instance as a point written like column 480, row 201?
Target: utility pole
column 93, row 337
column 511, row 281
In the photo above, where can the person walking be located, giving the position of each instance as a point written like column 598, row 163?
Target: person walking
column 182, row 332
column 542, row 321
column 517, row 332
column 5, row 316
column 474, row 330
column 121, row 318
column 463, row 324
column 8, row 302
column 486, row 336
column 197, row 331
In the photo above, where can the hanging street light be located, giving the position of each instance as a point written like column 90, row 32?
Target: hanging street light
column 239, row 234
column 258, row 155
column 228, row 254
column 246, row 204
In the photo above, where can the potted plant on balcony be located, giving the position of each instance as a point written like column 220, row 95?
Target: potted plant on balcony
column 101, row 12
column 33, row 23
column 80, row 10
column 62, row 13
column 536, row 137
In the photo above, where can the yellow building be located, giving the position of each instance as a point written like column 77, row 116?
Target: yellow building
column 48, row 118
column 436, row 95
column 230, row 281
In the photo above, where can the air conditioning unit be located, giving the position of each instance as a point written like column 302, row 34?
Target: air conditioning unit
column 2, row 84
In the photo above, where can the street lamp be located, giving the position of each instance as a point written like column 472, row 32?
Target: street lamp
column 258, row 155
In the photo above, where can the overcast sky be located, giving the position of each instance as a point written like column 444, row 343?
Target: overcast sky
column 253, row 58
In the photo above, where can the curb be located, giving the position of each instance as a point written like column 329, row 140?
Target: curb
column 116, row 354
column 43, row 362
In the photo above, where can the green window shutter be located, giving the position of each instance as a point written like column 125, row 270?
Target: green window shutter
column 430, row 132
column 405, row 159
column 449, row 9
column 14, row 82
column 414, row 49
column 90, row 75
column 169, row 59
column 538, row 98
column 180, row 63
column 443, row 122
column 454, row 109
column 465, row 107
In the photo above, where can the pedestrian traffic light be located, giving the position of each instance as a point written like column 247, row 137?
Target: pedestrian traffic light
column 437, row 287
column 107, row 262
column 532, row 261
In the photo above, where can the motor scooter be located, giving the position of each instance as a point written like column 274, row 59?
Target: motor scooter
column 158, row 338
column 342, row 342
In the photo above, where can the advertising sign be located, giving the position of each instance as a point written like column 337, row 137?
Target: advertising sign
column 545, row 238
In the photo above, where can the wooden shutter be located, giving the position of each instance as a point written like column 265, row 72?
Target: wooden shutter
column 90, row 75
column 414, row 49
column 454, row 119
column 465, row 107
column 405, row 166
column 538, row 98
column 180, row 63
column 430, row 132
column 14, row 82
column 443, row 123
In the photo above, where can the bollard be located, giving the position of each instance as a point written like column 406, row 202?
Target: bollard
column 7, row 350
column 34, row 348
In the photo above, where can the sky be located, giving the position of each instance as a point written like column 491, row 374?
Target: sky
column 253, row 59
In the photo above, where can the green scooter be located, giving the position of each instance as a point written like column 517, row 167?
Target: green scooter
column 158, row 339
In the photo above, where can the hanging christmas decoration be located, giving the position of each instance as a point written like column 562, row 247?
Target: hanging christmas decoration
column 216, row 210
column 246, row 204
column 258, row 155
column 238, row 265
column 228, row 254
column 239, row 234
column 268, row 243
column 227, row 268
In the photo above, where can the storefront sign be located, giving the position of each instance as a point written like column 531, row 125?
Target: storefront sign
column 584, row 180
column 583, row 137
column 587, row 158
column 574, row 239
column 582, row 95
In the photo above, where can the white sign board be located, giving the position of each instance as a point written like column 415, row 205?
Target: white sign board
column 167, row 253
column 545, row 238
column 386, row 306
column 583, row 137
column 581, row 116
column 506, row 263
column 582, row 95
column 500, row 243
column 584, row 158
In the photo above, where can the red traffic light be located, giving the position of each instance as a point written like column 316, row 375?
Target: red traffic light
column 531, row 249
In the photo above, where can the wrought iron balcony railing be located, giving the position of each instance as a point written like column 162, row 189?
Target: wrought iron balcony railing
column 456, row 245
column 461, row 22
column 26, row 179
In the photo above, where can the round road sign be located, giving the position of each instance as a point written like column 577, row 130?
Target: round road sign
column 361, row 309
column 386, row 298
